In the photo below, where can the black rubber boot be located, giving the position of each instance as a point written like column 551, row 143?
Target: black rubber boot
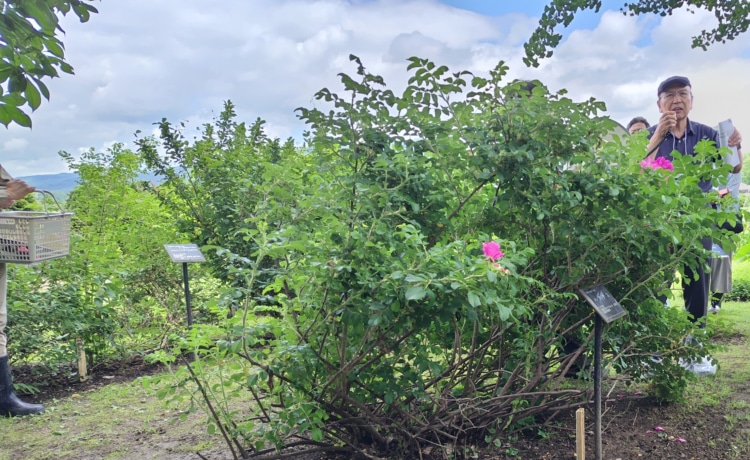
column 10, row 405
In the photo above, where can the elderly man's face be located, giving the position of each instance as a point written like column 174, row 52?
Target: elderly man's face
column 635, row 127
column 677, row 99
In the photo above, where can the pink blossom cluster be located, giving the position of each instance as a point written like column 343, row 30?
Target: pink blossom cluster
column 658, row 163
column 492, row 251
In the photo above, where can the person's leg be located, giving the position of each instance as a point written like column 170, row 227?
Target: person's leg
column 721, row 279
column 3, row 311
column 10, row 404
column 716, row 302
column 695, row 291
column 714, row 294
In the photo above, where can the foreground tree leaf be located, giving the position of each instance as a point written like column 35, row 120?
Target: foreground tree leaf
column 733, row 18
column 30, row 49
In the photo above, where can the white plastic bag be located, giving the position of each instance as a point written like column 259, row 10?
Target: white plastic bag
column 700, row 367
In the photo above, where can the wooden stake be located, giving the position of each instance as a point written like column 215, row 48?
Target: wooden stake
column 82, row 372
column 580, row 435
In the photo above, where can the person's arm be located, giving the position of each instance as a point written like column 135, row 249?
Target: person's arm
column 735, row 140
column 14, row 190
column 738, row 168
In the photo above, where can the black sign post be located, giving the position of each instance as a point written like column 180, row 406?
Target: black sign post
column 607, row 309
column 185, row 254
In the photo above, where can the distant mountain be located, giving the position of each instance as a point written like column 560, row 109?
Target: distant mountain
column 63, row 183
column 59, row 184
column 51, row 182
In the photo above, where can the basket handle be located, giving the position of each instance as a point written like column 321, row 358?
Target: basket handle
column 44, row 202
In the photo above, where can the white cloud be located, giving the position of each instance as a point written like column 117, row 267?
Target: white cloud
column 140, row 61
column 15, row 143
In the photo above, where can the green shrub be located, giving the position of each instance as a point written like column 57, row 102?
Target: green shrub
column 741, row 270
column 394, row 330
column 117, row 279
column 740, row 281
column 740, row 291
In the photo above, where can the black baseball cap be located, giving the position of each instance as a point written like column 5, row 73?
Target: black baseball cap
column 673, row 81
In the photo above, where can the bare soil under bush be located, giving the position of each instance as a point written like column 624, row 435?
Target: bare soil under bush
column 634, row 425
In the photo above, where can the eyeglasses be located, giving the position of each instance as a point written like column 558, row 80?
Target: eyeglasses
column 683, row 95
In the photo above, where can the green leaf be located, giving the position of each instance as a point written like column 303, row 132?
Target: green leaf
column 504, row 312
column 415, row 293
column 18, row 116
column 5, row 72
column 42, row 88
column 56, row 48
column 17, row 82
column 375, row 320
column 32, row 96
column 67, row 68
column 44, row 17
column 5, row 116
column 474, row 300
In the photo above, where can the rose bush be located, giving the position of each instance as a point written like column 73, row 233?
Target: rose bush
column 392, row 332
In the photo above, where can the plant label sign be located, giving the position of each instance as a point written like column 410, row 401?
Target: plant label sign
column 184, row 253
column 608, row 308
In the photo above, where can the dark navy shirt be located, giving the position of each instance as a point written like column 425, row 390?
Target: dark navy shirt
column 694, row 133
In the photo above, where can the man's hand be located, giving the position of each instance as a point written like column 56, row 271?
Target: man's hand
column 15, row 190
column 667, row 121
column 735, row 139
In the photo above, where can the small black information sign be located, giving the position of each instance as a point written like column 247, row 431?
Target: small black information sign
column 600, row 298
column 184, row 253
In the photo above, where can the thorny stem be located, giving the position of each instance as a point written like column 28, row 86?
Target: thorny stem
column 214, row 415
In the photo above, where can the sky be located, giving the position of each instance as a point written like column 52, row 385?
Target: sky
column 139, row 61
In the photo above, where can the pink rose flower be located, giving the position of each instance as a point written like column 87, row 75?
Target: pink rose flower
column 659, row 163
column 492, row 250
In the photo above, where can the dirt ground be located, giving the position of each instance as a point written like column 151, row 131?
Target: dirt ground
column 634, row 426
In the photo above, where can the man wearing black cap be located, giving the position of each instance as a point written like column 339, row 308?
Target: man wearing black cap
column 676, row 132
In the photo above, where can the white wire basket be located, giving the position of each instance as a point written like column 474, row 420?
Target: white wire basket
column 29, row 237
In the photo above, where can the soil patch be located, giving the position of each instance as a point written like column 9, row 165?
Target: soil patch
column 634, row 426
column 64, row 381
